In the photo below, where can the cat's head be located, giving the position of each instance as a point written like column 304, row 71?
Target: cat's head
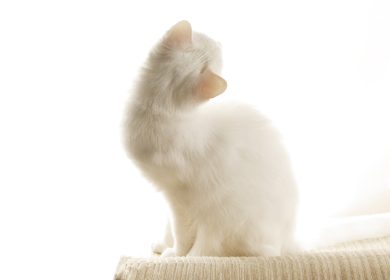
column 187, row 65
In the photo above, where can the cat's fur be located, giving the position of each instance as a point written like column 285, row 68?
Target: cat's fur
column 222, row 168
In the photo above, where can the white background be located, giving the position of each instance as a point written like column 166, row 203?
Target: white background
column 71, row 203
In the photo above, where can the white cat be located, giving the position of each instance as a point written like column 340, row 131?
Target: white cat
column 222, row 168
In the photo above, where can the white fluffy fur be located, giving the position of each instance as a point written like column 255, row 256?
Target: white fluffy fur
column 222, row 168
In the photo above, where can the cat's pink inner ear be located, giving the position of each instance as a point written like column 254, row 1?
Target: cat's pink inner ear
column 180, row 35
column 210, row 85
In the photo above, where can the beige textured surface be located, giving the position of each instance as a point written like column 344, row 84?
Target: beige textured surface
column 367, row 259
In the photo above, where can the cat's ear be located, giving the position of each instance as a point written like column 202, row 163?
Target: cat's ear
column 180, row 35
column 210, row 85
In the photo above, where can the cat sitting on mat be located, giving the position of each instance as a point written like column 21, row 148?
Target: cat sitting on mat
column 221, row 167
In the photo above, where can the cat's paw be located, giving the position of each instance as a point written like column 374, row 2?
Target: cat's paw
column 169, row 252
column 159, row 247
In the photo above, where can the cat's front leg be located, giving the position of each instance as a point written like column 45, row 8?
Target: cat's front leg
column 183, row 237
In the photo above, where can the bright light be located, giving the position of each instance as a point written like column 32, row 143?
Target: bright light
column 71, row 200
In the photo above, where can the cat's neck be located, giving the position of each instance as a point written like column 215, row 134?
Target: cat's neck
column 149, row 106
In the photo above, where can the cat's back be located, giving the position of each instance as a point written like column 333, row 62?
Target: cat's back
column 239, row 123
column 245, row 141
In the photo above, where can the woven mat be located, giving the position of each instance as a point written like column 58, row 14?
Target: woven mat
column 366, row 259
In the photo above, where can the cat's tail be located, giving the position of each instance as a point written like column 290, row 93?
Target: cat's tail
column 339, row 230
